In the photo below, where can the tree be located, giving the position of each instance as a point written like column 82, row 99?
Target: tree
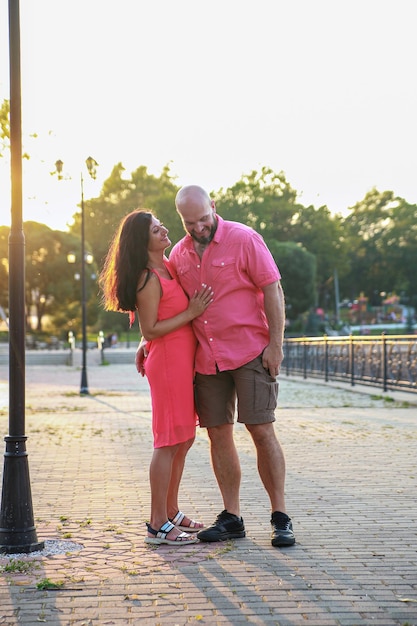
column 50, row 283
column 399, row 246
column 265, row 201
column 118, row 197
column 321, row 233
column 373, row 249
column 298, row 269
column 365, row 228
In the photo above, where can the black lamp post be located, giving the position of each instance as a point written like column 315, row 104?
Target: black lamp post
column 17, row 529
column 91, row 167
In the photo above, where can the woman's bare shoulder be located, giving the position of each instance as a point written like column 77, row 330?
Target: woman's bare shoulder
column 146, row 278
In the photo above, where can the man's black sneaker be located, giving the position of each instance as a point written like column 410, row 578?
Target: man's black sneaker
column 282, row 532
column 227, row 526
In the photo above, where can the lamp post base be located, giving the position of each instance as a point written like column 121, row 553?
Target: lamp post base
column 84, row 385
column 17, row 529
column 25, row 548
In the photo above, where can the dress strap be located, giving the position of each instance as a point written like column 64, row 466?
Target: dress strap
column 148, row 275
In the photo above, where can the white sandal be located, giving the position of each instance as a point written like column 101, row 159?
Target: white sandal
column 194, row 526
column 160, row 536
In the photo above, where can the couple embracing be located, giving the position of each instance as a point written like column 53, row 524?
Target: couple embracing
column 212, row 317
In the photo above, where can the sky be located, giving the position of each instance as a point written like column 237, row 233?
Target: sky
column 323, row 90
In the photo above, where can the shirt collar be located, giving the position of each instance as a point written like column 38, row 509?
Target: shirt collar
column 219, row 230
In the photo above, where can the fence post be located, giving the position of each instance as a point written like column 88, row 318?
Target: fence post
column 304, row 359
column 287, row 356
column 326, row 359
column 384, row 362
column 352, row 360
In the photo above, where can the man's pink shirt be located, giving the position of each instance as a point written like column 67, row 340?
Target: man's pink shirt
column 237, row 265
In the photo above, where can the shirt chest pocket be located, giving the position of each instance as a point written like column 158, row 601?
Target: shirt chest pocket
column 223, row 269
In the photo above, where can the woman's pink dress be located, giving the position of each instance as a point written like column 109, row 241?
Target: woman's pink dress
column 169, row 368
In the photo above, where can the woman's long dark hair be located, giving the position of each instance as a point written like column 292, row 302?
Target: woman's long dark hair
column 126, row 259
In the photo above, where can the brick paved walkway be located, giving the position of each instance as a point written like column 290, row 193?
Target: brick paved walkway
column 351, row 491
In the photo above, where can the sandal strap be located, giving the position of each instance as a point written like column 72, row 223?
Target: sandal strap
column 178, row 518
column 163, row 531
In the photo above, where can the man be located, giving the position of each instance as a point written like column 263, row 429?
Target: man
column 239, row 353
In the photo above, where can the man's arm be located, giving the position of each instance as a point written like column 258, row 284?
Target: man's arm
column 274, row 303
column 141, row 354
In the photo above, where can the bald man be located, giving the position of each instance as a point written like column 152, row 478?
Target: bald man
column 239, row 353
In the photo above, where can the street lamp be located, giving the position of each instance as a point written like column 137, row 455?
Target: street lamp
column 17, row 527
column 91, row 167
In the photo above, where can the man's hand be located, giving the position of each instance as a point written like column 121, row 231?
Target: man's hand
column 272, row 359
column 141, row 354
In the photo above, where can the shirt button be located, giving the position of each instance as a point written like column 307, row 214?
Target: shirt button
column 198, row 266
column 211, row 339
column 205, row 321
column 222, row 263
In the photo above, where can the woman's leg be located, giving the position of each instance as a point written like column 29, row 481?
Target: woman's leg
column 176, row 475
column 160, row 476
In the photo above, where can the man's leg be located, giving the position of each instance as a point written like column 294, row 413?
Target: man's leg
column 271, row 467
column 216, row 406
column 226, row 465
column 271, row 463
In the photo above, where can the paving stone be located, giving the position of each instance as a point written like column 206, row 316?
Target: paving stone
column 351, row 479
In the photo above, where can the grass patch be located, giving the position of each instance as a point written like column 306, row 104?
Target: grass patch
column 85, row 523
column 18, row 566
column 47, row 583
column 384, row 398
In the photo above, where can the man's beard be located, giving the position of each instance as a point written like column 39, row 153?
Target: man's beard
column 204, row 241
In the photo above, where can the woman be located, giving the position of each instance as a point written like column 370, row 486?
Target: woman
column 137, row 276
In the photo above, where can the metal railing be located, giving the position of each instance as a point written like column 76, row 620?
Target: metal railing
column 385, row 361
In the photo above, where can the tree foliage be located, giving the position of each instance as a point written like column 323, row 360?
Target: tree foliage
column 373, row 248
column 50, row 283
column 5, row 129
column 265, row 201
column 381, row 230
column 298, row 269
column 121, row 195
column 321, row 233
column 4, row 126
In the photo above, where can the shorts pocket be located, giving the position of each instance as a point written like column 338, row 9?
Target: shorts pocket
column 266, row 395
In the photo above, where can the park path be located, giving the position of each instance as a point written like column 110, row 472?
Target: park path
column 351, row 491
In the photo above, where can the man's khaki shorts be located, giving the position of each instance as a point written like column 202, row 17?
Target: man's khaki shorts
column 255, row 390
